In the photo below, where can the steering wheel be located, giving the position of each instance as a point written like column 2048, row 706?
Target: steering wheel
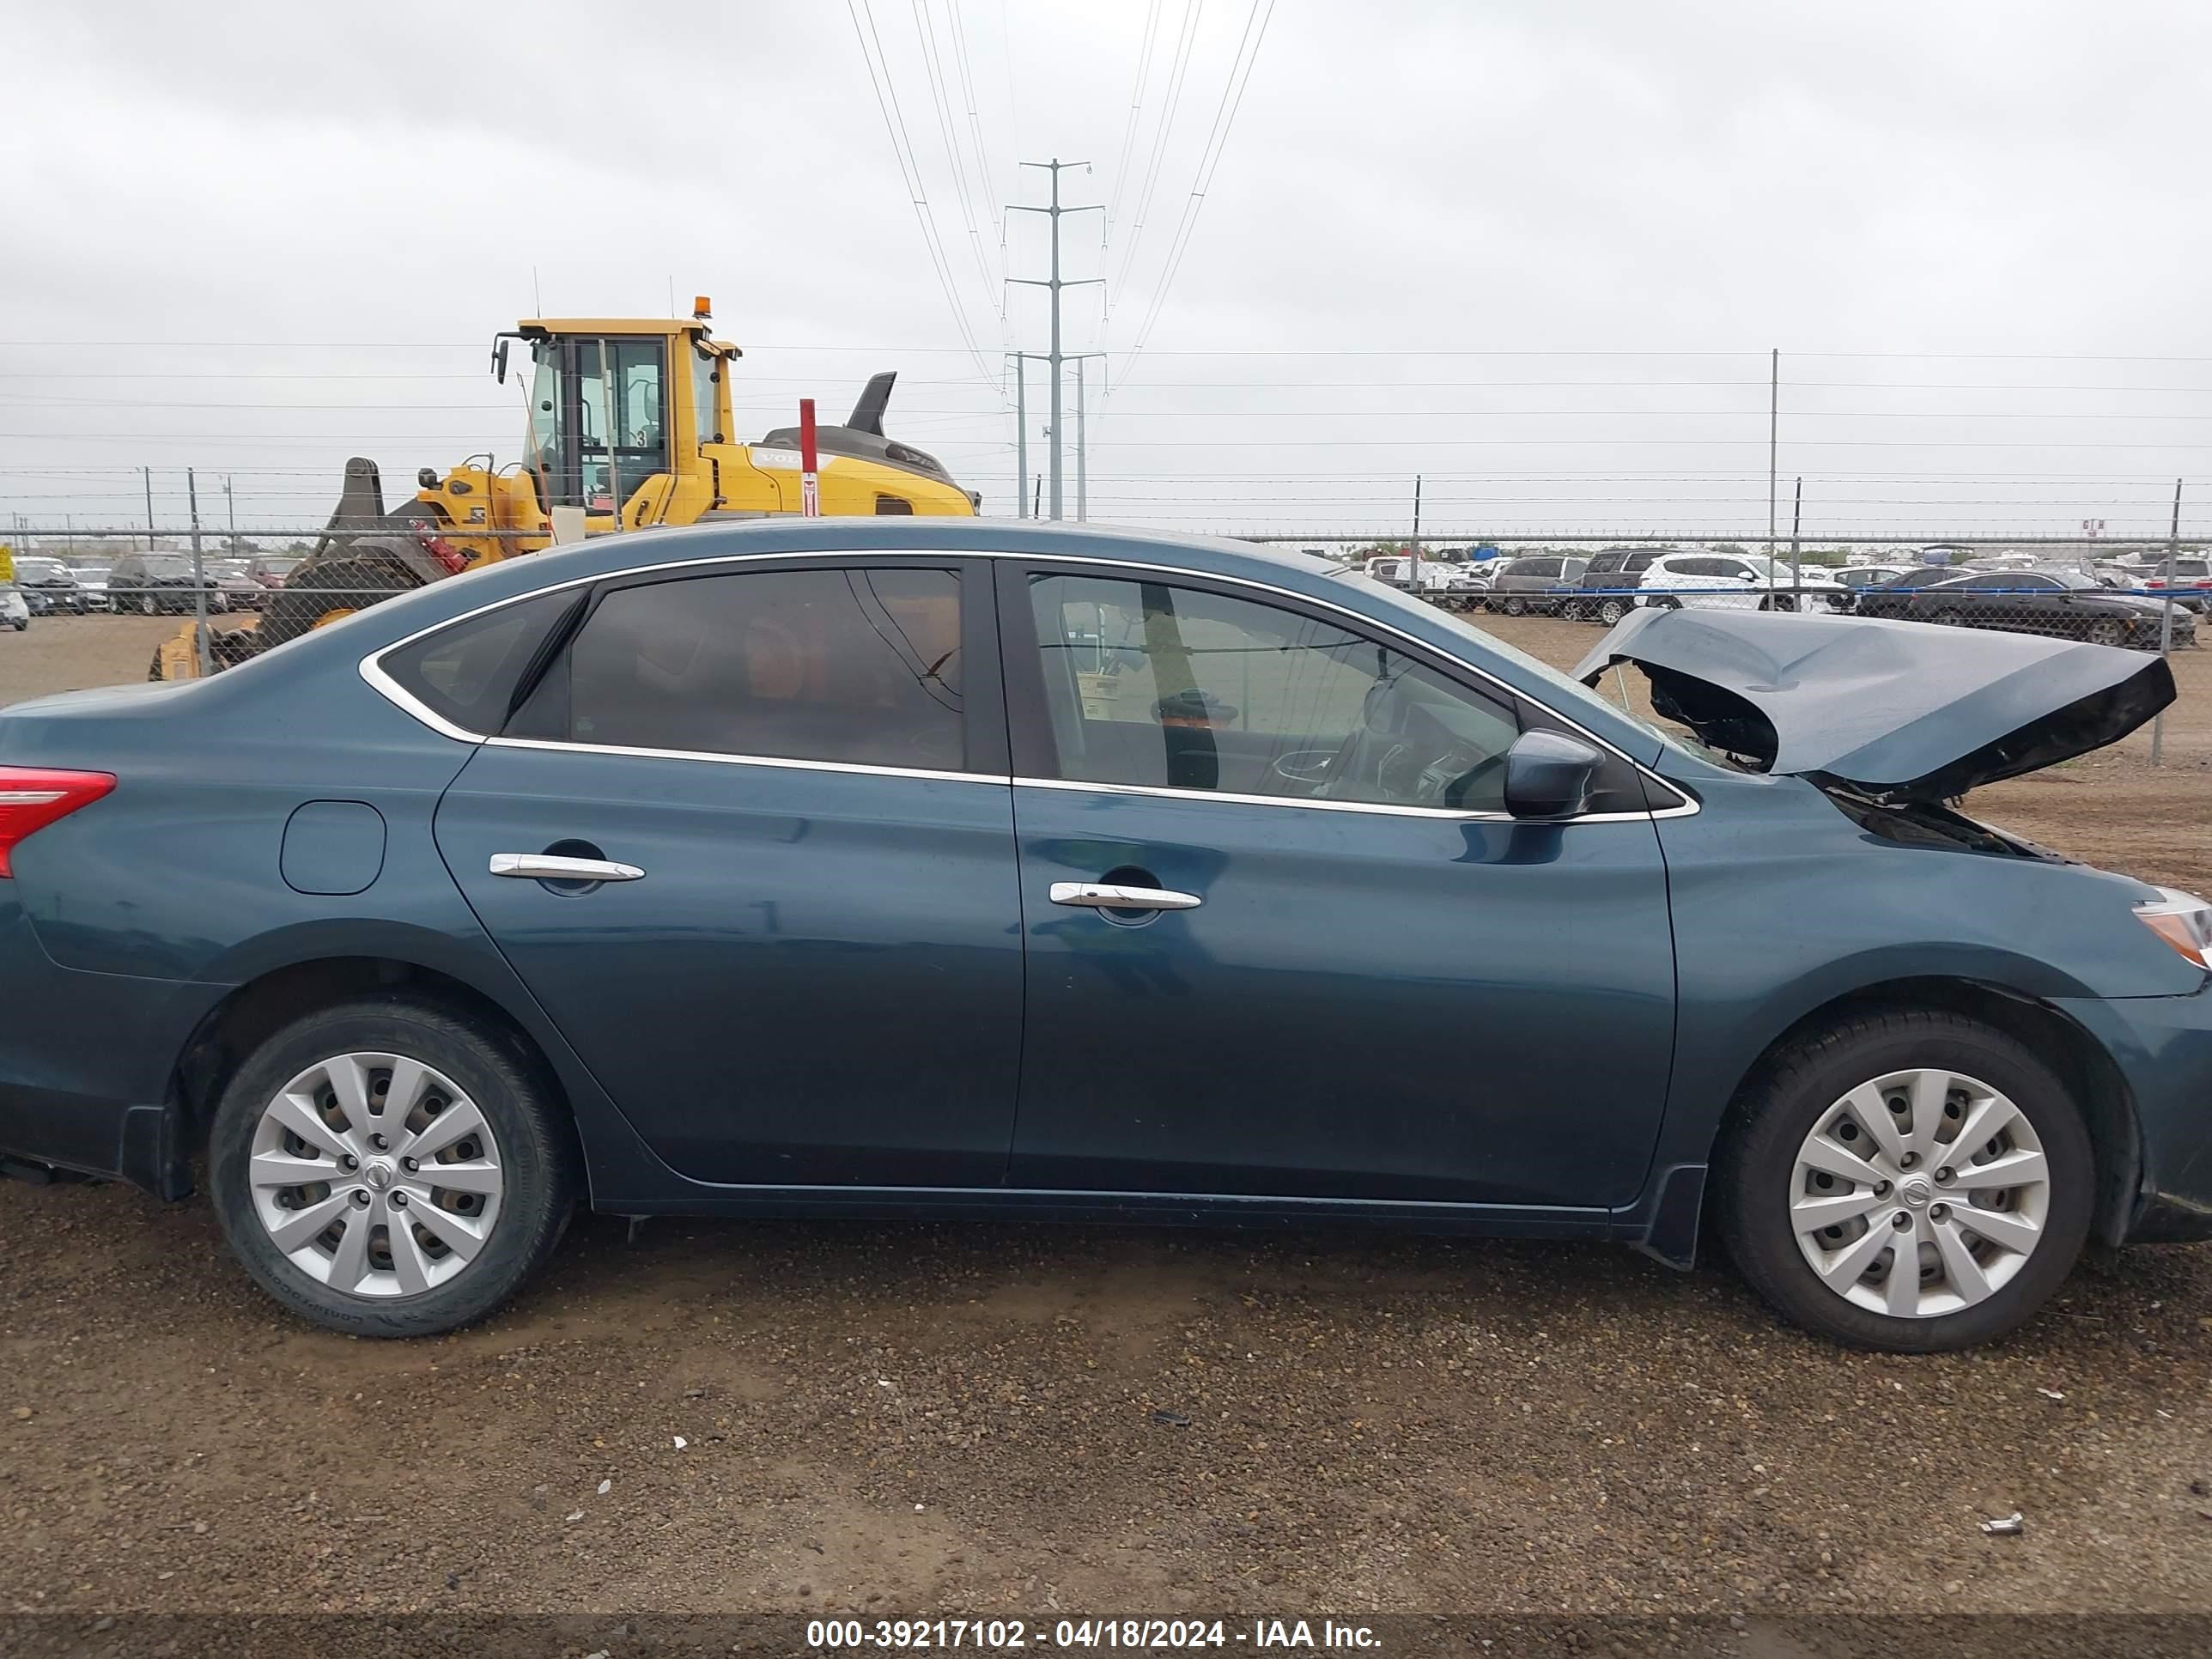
column 1406, row 778
column 1307, row 769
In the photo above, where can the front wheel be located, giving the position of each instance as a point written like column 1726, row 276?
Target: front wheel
column 1516, row 606
column 383, row 1168
column 1611, row 611
column 2107, row 631
column 1907, row 1180
column 149, row 605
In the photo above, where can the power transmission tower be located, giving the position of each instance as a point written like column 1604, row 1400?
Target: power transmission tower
column 1053, row 284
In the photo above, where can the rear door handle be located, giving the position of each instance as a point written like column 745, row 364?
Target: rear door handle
column 1104, row 896
column 551, row 866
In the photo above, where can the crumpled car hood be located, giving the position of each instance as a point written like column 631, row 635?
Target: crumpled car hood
column 1899, row 710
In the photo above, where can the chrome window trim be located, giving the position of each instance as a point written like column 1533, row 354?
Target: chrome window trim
column 373, row 672
column 554, row 745
column 1383, row 808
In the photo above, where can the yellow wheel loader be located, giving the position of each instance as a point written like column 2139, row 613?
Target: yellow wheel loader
column 629, row 429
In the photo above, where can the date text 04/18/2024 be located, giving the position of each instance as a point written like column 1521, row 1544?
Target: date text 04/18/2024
column 1013, row 1635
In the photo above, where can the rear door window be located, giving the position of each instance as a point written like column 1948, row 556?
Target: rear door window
column 856, row 665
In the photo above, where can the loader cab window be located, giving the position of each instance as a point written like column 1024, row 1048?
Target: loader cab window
column 598, row 417
column 705, row 366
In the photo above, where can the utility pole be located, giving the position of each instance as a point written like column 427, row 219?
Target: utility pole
column 1021, row 433
column 1053, row 285
column 1773, row 450
column 231, row 501
column 199, row 576
column 1796, row 523
column 147, row 473
column 1082, row 439
column 1413, row 547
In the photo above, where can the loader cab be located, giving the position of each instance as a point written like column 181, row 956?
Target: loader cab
column 617, row 412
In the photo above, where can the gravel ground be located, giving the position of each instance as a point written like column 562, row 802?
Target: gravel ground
column 1048, row 1421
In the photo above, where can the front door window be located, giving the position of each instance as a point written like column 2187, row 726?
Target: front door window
column 1180, row 687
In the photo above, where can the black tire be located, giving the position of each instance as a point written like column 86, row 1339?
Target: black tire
column 2106, row 630
column 1611, row 611
column 1516, row 606
column 1783, row 1104
column 348, row 581
column 149, row 605
column 1949, row 619
column 1571, row 611
column 536, row 1154
column 1666, row 602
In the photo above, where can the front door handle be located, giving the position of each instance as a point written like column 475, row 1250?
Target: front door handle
column 1106, row 896
column 551, row 866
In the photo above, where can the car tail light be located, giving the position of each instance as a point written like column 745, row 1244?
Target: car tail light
column 31, row 797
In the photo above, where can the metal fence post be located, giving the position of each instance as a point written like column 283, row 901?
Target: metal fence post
column 199, row 577
column 2166, row 623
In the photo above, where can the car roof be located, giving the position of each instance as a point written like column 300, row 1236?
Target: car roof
column 1288, row 569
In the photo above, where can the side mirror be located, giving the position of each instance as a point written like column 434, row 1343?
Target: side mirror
column 1548, row 775
column 499, row 359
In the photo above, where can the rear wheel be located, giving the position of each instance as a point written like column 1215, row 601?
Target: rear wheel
column 1908, row 1181
column 1611, row 611
column 386, row 1169
column 1516, row 606
column 149, row 605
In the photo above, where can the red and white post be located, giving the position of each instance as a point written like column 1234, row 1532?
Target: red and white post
column 810, row 477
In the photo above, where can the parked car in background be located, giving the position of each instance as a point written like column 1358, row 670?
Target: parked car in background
column 15, row 611
column 1609, row 570
column 92, row 582
column 240, row 591
column 2062, row 603
column 153, row 584
column 1855, row 576
column 269, row 569
column 1221, row 860
column 1736, row 581
column 1453, row 586
column 1536, row 584
column 2192, row 581
column 50, row 588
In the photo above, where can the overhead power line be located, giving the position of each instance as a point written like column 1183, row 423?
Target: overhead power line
column 909, row 167
column 974, row 119
column 1136, row 104
column 1176, row 71
column 924, row 29
column 1217, row 139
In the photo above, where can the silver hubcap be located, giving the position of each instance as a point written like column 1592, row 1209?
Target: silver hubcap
column 1919, row 1193
column 376, row 1175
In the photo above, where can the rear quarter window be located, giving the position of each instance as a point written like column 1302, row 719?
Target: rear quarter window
column 471, row 673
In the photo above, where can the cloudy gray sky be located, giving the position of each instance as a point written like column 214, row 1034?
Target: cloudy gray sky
column 1537, row 253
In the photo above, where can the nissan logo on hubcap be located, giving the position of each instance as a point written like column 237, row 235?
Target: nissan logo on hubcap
column 379, row 1176
column 1915, row 1193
